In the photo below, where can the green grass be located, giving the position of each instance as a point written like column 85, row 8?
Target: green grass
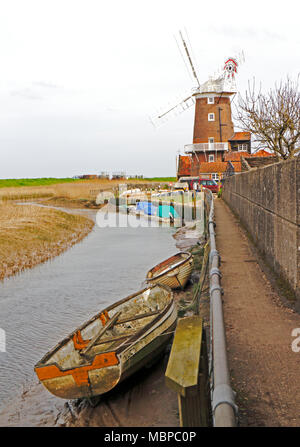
column 160, row 179
column 7, row 183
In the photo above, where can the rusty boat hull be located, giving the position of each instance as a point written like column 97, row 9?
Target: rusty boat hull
column 174, row 272
column 143, row 324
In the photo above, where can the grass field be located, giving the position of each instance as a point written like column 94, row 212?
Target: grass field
column 62, row 192
column 161, row 179
column 31, row 234
column 14, row 183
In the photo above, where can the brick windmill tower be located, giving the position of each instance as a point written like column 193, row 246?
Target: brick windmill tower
column 213, row 127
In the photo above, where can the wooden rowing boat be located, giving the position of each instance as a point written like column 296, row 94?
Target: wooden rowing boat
column 110, row 346
column 174, row 272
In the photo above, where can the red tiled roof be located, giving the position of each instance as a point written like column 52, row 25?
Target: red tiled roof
column 213, row 167
column 236, row 156
column 240, row 136
column 262, row 153
column 184, row 165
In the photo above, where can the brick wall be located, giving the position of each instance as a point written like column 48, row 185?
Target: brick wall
column 267, row 201
column 204, row 129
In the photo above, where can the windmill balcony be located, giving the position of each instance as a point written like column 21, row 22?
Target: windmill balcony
column 202, row 147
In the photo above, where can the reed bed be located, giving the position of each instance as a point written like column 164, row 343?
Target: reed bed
column 82, row 193
column 31, row 234
column 82, row 190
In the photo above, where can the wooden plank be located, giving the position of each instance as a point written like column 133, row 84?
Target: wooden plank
column 184, row 361
column 138, row 317
column 102, row 331
column 116, row 338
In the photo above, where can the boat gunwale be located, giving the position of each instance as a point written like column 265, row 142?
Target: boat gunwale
column 42, row 363
column 178, row 264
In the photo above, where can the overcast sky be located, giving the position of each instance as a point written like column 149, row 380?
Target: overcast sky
column 79, row 78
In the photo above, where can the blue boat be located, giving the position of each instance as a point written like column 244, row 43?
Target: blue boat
column 166, row 211
column 147, row 208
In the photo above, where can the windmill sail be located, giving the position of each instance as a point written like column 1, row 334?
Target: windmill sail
column 223, row 80
column 179, row 107
column 163, row 116
column 189, row 58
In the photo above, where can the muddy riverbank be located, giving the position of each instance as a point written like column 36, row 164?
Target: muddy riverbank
column 30, row 235
column 143, row 400
column 56, row 297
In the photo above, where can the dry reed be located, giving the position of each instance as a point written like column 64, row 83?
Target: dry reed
column 79, row 191
column 31, row 234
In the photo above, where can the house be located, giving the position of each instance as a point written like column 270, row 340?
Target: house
column 183, row 166
column 233, row 161
column 89, row 176
column 216, row 170
column 242, row 161
column 119, row 175
column 258, row 161
column 240, row 142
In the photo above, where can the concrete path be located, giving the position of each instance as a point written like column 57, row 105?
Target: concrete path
column 264, row 369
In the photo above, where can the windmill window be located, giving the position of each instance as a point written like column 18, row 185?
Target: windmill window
column 211, row 117
column 210, row 100
column 211, row 158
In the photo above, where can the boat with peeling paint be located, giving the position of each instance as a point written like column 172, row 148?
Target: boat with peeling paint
column 174, row 272
column 111, row 346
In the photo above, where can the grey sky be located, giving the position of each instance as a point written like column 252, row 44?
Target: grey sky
column 79, row 78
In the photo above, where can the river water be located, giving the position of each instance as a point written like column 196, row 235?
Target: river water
column 40, row 306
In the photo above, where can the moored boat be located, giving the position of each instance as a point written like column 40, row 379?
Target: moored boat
column 174, row 272
column 111, row 346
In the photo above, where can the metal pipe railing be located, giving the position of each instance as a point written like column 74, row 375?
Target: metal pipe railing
column 224, row 408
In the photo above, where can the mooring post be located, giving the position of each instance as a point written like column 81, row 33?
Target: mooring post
column 138, row 214
column 159, row 207
column 117, row 200
column 194, row 205
column 172, row 217
column 182, row 209
column 149, row 205
column 187, row 372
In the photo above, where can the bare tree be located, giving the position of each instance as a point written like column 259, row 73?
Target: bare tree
column 273, row 118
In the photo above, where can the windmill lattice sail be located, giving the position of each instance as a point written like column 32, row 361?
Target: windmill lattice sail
column 223, row 81
column 163, row 116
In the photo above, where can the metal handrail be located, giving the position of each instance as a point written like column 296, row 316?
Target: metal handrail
column 224, row 408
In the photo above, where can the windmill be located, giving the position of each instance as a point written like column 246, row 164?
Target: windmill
column 222, row 81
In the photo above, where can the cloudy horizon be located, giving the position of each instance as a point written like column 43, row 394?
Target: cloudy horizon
column 80, row 79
